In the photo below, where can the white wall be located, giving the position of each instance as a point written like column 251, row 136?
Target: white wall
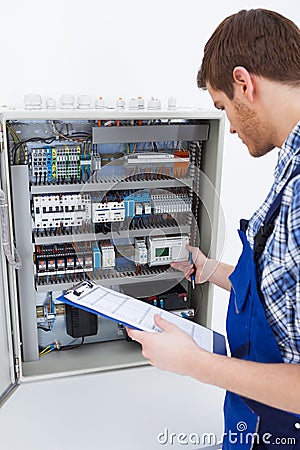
column 130, row 48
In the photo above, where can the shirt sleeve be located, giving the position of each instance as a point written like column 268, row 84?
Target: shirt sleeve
column 291, row 274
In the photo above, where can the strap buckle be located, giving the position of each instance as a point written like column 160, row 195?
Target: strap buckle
column 261, row 238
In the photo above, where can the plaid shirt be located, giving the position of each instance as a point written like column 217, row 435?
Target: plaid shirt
column 279, row 264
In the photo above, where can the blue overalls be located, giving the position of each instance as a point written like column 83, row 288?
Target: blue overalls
column 251, row 338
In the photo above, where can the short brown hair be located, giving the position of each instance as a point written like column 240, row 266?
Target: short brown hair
column 266, row 43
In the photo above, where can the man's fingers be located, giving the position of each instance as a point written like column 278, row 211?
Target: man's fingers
column 195, row 251
column 141, row 336
column 182, row 266
column 136, row 335
column 177, row 265
column 189, row 248
column 163, row 324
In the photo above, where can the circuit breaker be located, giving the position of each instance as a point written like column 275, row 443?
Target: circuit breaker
column 111, row 196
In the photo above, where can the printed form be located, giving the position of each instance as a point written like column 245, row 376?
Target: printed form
column 133, row 312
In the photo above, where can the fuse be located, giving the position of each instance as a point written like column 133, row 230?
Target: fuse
column 96, row 256
column 88, row 263
column 108, row 257
column 70, row 263
column 41, row 266
column 147, row 208
column 138, row 209
column 60, row 264
column 51, row 266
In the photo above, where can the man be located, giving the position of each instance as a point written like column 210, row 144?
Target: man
column 251, row 68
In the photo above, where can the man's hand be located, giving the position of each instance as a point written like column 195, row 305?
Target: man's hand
column 172, row 349
column 187, row 268
column 206, row 269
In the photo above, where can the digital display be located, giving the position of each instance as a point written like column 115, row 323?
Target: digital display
column 161, row 252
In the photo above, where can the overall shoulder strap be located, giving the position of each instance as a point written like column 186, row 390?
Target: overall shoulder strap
column 267, row 228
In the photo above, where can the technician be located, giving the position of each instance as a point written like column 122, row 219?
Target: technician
column 251, row 68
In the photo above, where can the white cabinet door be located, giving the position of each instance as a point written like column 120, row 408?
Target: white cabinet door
column 7, row 369
column 7, row 358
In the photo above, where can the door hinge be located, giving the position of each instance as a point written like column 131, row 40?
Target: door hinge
column 17, row 367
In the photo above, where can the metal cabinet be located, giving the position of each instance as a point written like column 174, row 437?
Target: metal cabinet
column 107, row 195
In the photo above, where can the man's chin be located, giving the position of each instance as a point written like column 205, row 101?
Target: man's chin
column 258, row 152
column 254, row 153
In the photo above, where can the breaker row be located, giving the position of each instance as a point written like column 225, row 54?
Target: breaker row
column 79, row 163
column 72, row 259
column 75, row 210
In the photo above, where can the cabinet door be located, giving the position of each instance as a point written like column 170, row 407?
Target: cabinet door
column 7, row 363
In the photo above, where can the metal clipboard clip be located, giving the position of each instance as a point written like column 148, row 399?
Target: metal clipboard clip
column 81, row 288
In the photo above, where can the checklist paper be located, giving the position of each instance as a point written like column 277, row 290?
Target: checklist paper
column 137, row 314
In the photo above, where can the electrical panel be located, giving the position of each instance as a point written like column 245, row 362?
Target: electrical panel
column 113, row 196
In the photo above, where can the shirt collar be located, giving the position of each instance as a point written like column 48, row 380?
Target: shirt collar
column 289, row 148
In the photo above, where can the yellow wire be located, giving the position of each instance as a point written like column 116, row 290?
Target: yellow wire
column 46, row 353
column 43, row 352
column 16, row 138
column 13, row 134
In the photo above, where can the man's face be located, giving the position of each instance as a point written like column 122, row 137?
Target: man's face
column 246, row 122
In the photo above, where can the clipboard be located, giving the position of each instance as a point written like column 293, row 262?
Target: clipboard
column 136, row 314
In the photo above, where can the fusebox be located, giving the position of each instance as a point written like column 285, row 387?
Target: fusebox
column 108, row 195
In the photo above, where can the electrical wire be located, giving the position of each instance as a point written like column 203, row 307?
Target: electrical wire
column 40, row 327
column 199, row 301
column 71, row 346
column 56, row 346
column 75, row 137
column 47, row 350
column 14, row 261
column 18, row 143
column 17, row 140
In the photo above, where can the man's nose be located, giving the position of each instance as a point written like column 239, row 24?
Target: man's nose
column 232, row 130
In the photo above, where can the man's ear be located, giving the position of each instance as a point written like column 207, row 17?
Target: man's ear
column 243, row 83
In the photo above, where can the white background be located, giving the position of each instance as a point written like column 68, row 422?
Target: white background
column 127, row 48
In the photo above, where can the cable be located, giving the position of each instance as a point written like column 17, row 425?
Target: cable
column 56, row 346
column 199, row 302
column 17, row 140
column 70, row 346
column 47, row 350
column 75, row 137
column 15, row 148
column 40, row 327
column 14, row 261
